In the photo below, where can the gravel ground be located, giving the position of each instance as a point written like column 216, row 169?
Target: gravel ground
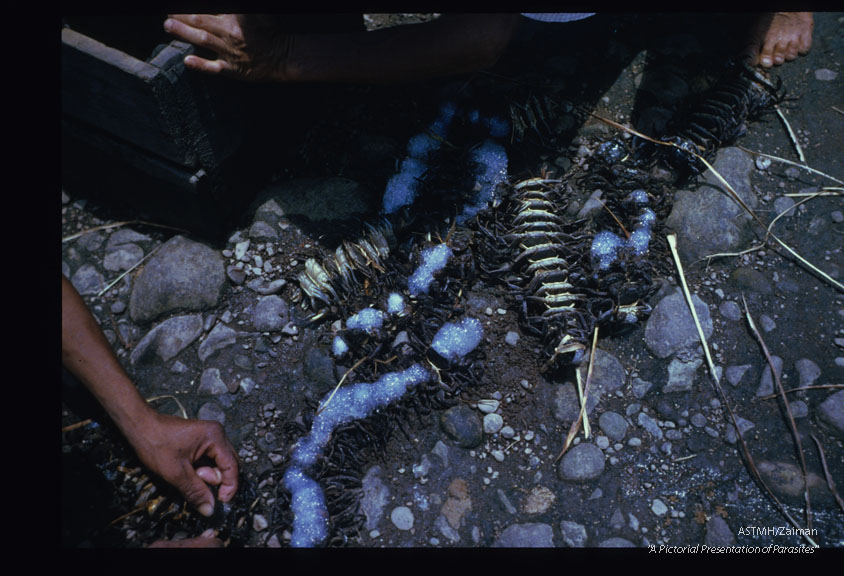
column 213, row 327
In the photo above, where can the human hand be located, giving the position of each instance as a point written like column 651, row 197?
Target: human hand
column 171, row 447
column 248, row 47
column 779, row 37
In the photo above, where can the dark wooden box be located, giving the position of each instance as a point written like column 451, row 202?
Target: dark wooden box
column 168, row 144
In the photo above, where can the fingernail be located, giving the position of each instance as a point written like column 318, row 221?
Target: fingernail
column 766, row 61
column 208, row 533
column 206, row 510
column 168, row 24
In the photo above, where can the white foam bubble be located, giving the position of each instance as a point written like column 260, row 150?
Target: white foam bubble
column 434, row 259
column 310, row 515
column 454, row 340
column 395, row 303
column 366, row 319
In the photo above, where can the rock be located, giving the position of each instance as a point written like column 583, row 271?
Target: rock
column 707, row 220
column 319, row 368
column 671, row 326
column 565, row 405
column 799, row 409
column 658, row 507
column 259, row 523
column 457, row 503
column 182, row 275
column 211, row 382
column 375, row 497
column 402, row 518
column 90, row 242
column 607, row 373
column 220, row 337
column 831, row 411
column 169, row 338
column 808, row 371
column 525, row 536
column 332, row 198
column 493, row 423
column 767, row 323
column 613, row 425
column 574, row 534
column 123, row 257
column 749, row 280
column 441, row 524
column 718, row 533
column 650, row 425
column 462, row 425
column 441, row 450
column 582, row 463
column 538, row 500
column 825, row 74
column 730, row 310
column 616, row 542
column 489, row 405
column 786, row 481
column 640, row 387
column 592, row 205
column 87, row 280
column 236, row 275
column 681, row 375
column 125, row 236
column 270, row 314
column 247, row 385
column 261, row 286
column 512, row 338
column 211, row 411
column 734, row 374
column 260, row 230
column 766, row 383
column 784, row 205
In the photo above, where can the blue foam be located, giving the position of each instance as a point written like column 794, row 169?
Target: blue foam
column 339, row 346
column 605, row 248
column 490, row 170
column 310, row 526
column 310, row 514
column 395, row 303
column 454, row 340
column 434, row 259
column 606, row 245
column 402, row 187
column 366, row 319
column 498, row 127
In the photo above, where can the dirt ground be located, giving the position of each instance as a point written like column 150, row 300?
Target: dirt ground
column 362, row 135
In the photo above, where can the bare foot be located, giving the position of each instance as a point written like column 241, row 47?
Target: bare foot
column 779, row 37
column 205, row 540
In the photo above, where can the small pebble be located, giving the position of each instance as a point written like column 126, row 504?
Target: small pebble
column 402, row 518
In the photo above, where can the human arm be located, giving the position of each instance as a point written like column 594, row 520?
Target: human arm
column 167, row 445
column 251, row 48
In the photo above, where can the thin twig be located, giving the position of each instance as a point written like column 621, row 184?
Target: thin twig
column 135, row 265
column 791, row 134
column 582, row 415
column 818, row 387
column 839, row 110
column 182, row 411
column 829, row 481
column 784, row 161
column 733, row 193
column 340, row 383
column 672, row 242
column 70, row 427
column 118, row 225
column 791, row 422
